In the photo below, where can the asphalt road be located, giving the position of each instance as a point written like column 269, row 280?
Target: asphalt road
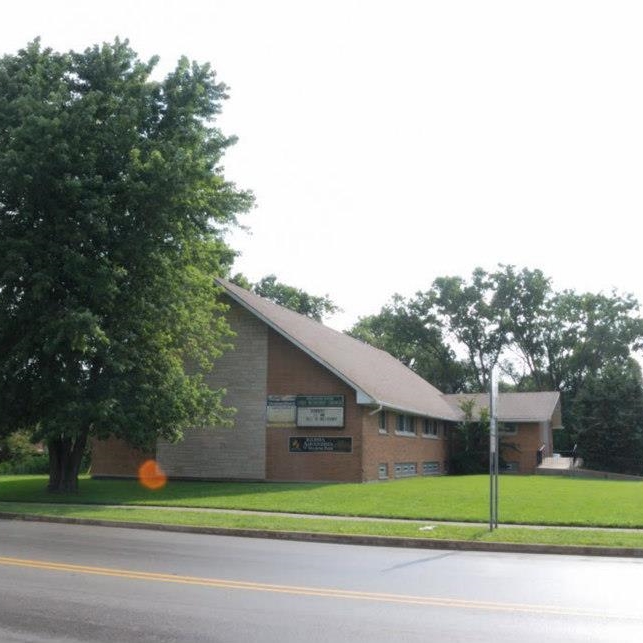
column 79, row 583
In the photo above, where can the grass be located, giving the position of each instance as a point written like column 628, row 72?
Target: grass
column 276, row 523
column 541, row 500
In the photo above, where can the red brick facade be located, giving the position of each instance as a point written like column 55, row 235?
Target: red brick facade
column 266, row 365
column 527, row 440
column 390, row 448
column 293, row 372
column 114, row 457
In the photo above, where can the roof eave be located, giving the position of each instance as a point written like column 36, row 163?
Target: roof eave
column 387, row 406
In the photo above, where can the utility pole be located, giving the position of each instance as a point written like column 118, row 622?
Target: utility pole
column 493, row 450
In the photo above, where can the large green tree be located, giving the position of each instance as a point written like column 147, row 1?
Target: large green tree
column 468, row 315
column 584, row 332
column 112, row 209
column 584, row 336
column 608, row 414
column 521, row 297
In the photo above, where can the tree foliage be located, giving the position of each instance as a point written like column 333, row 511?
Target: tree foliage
column 608, row 412
column 112, row 208
column 521, row 299
column 403, row 329
column 469, row 442
column 467, row 313
column 584, row 332
column 19, row 455
column 542, row 339
column 313, row 306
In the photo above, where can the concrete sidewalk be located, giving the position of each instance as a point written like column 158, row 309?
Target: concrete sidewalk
column 428, row 521
column 380, row 541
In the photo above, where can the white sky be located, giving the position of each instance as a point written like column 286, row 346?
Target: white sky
column 391, row 142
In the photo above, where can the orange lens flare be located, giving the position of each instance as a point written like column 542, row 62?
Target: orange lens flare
column 151, row 476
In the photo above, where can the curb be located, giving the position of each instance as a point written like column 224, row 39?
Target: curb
column 341, row 539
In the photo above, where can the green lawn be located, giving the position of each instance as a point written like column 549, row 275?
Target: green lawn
column 405, row 529
column 528, row 500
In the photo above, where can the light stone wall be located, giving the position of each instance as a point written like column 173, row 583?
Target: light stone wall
column 237, row 452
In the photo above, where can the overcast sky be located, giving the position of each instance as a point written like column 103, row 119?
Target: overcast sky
column 391, row 142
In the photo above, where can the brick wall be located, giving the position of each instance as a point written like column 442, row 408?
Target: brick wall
column 238, row 451
column 528, row 440
column 390, row 448
column 114, row 457
column 292, row 372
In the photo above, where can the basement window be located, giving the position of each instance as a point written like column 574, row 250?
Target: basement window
column 405, row 469
column 430, row 468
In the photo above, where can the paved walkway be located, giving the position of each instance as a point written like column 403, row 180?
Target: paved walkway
column 7, row 506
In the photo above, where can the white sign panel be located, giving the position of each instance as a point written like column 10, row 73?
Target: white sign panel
column 310, row 416
column 281, row 409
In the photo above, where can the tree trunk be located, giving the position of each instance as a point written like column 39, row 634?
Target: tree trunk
column 65, row 456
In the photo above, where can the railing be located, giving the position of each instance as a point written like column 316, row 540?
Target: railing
column 540, row 454
column 572, row 454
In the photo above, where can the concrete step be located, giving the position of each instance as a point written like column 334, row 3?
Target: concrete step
column 556, row 462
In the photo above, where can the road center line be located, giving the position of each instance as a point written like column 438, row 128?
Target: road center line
column 312, row 591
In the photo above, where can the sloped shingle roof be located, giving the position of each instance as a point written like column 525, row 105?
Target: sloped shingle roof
column 377, row 377
column 512, row 407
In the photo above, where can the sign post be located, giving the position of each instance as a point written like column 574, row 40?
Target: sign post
column 493, row 451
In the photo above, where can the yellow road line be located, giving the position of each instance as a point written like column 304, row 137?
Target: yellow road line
column 313, row 591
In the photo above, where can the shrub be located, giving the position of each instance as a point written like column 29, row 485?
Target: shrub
column 36, row 463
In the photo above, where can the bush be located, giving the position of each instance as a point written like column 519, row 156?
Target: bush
column 19, row 455
column 36, row 463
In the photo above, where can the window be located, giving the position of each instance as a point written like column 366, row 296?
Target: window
column 382, row 471
column 431, row 428
column 405, row 469
column 430, row 468
column 382, row 422
column 406, row 424
column 511, row 467
column 507, row 428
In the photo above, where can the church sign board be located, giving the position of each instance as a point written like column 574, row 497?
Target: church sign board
column 325, row 411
